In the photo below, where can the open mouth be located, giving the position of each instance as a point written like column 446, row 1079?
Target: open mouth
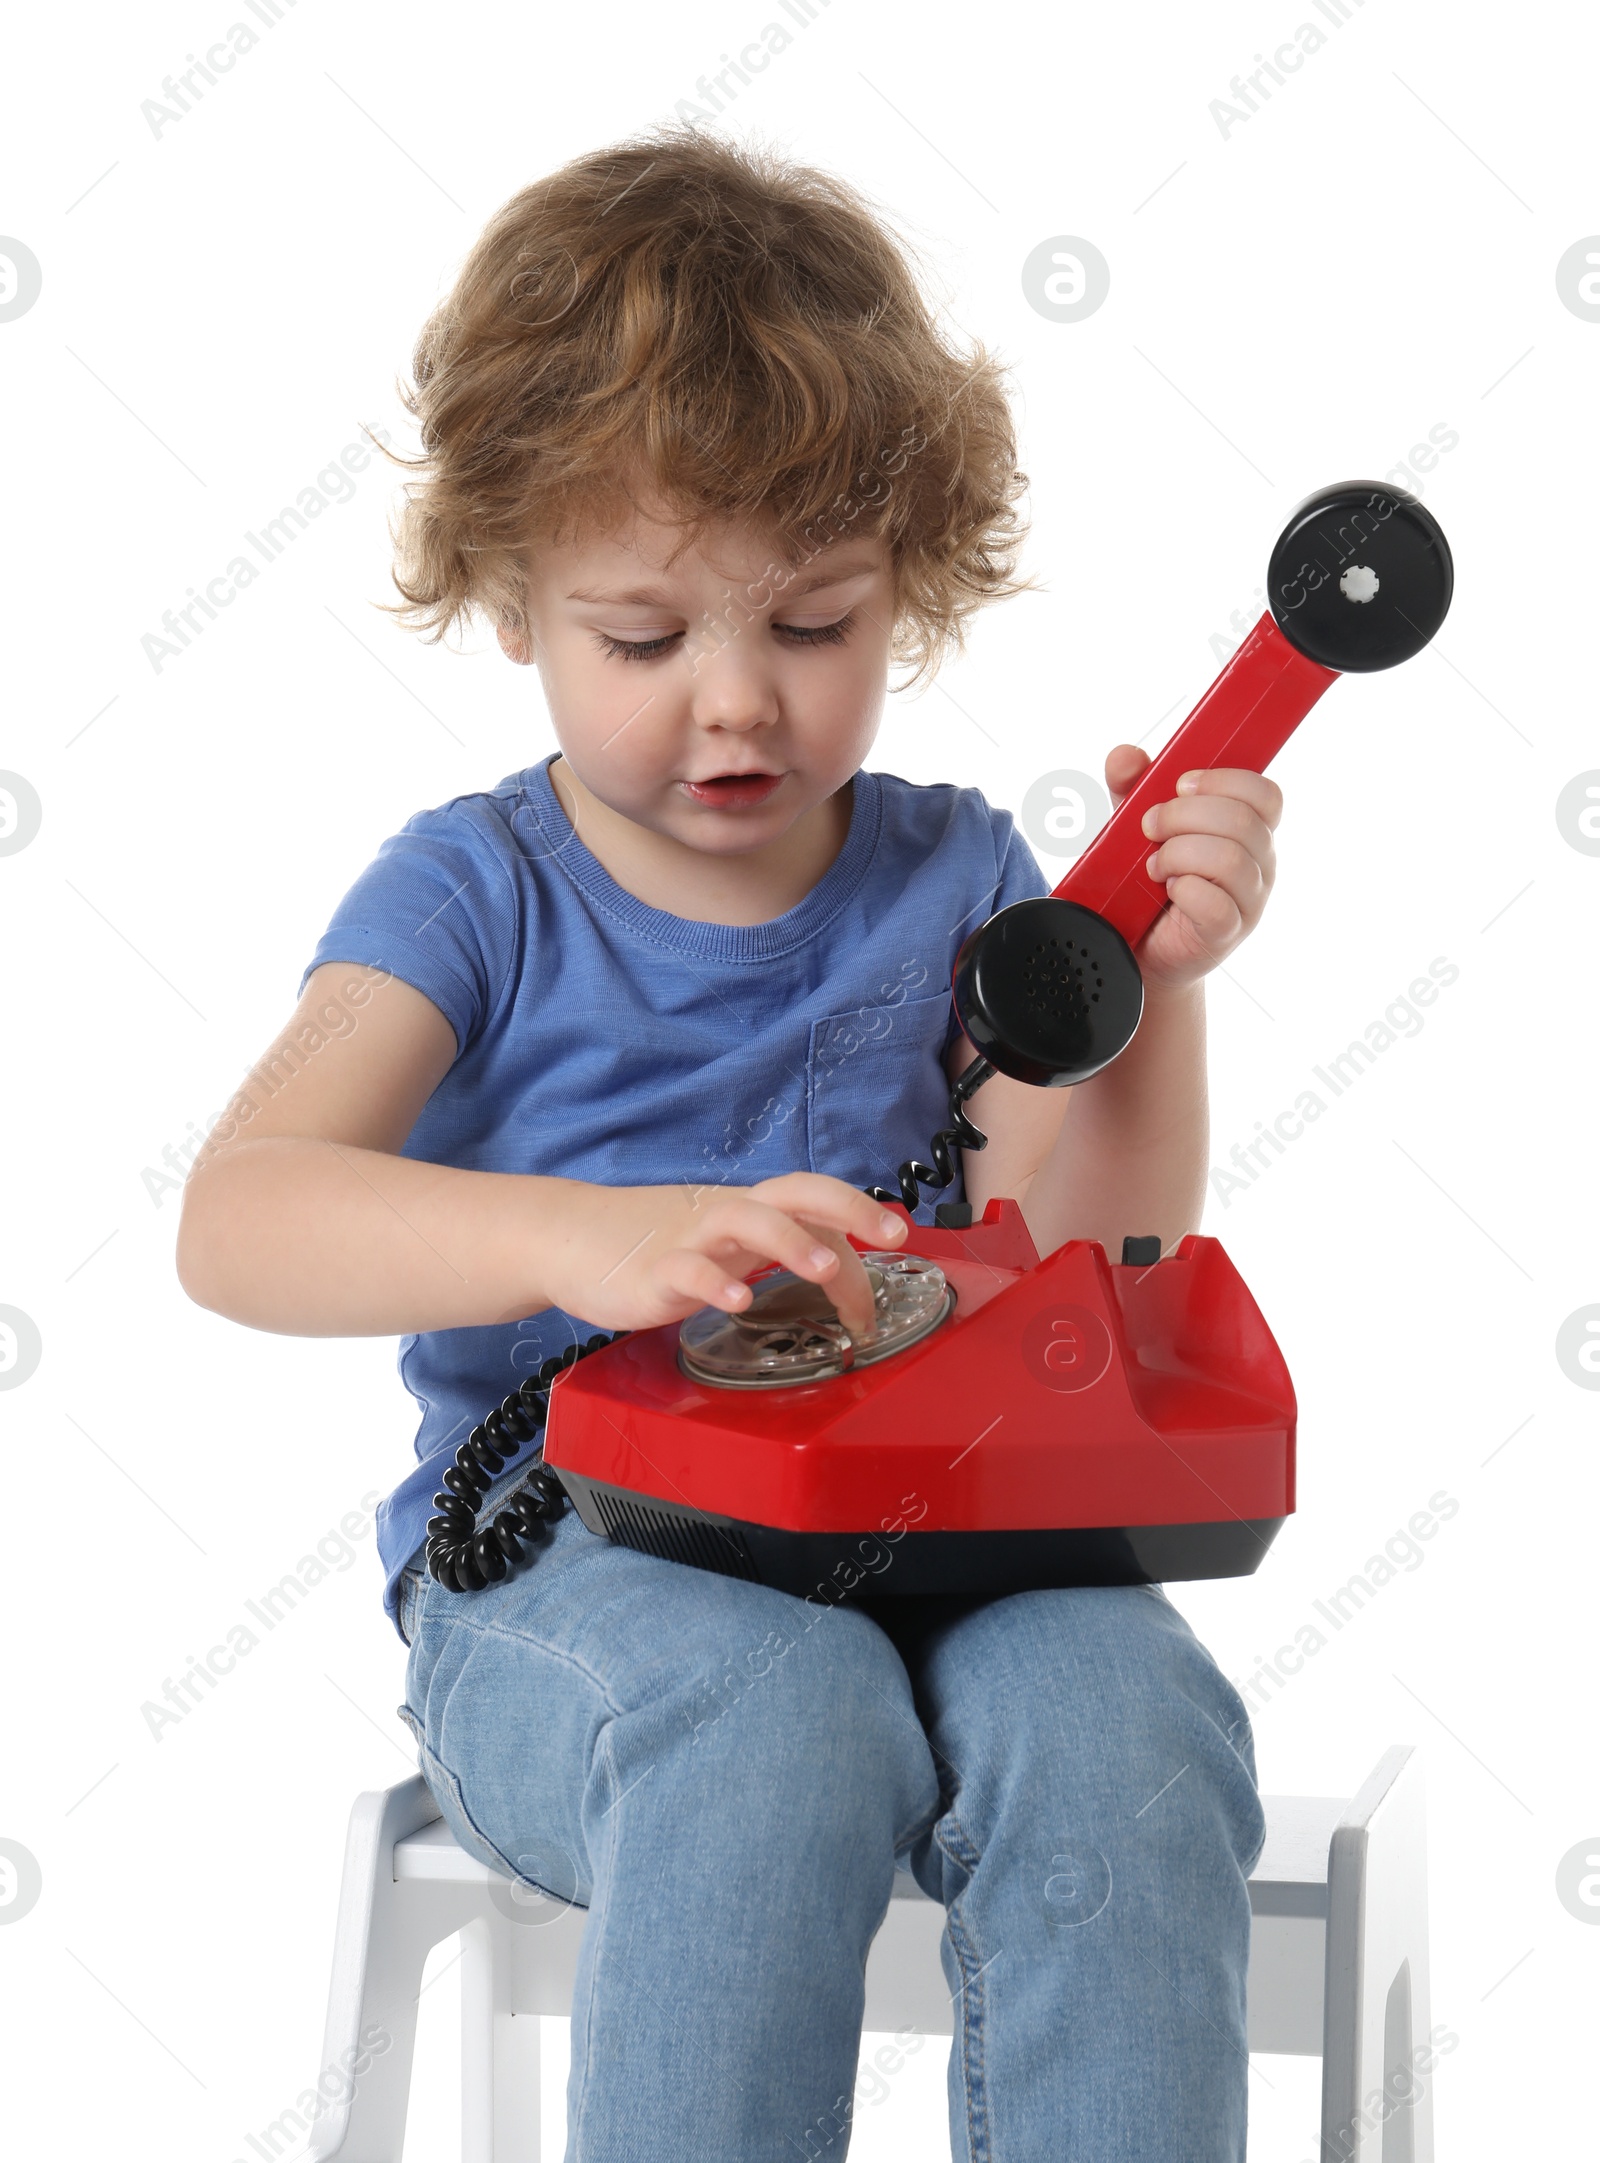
column 729, row 790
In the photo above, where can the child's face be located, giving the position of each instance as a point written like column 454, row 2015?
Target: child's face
column 729, row 660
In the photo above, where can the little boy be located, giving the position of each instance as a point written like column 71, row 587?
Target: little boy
column 648, row 1016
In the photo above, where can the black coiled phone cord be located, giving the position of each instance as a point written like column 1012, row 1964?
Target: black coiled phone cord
column 460, row 1556
column 463, row 1558
column 942, row 1170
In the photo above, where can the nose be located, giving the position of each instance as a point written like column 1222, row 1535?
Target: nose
column 731, row 680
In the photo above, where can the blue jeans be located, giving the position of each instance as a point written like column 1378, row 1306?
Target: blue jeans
column 727, row 1778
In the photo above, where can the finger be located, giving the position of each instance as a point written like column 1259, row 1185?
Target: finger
column 1264, row 797
column 1217, row 920
column 1124, row 764
column 1212, row 856
column 1222, row 894
column 850, row 1291
column 685, row 1280
column 739, row 1225
column 742, row 1233
column 830, row 1201
column 1225, row 815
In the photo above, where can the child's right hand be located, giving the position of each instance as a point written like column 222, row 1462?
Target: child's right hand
column 634, row 1257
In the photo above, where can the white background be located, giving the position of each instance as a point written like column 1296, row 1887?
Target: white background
column 1370, row 255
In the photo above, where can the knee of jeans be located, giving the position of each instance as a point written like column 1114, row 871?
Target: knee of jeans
column 1178, row 1736
column 1140, row 1662
column 1138, row 1729
column 548, row 1875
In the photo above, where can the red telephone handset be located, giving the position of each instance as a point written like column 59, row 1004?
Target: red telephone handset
column 1012, row 1422
column 1048, row 991
column 1245, row 719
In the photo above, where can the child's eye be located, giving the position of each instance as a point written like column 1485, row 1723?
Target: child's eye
column 635, row 649
column 646, row 649
column 825, row 634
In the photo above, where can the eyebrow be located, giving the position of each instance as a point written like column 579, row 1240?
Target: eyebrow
column 652, row 596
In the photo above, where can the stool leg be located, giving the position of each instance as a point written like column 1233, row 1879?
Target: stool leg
column 1377, row 2085
column 385, row 1933
column 499, row 2051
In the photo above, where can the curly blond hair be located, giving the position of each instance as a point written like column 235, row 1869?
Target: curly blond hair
column 745, row 334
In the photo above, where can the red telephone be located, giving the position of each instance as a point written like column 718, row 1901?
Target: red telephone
column 1012, row 1423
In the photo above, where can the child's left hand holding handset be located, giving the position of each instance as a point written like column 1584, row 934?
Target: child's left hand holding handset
column 1212, row 845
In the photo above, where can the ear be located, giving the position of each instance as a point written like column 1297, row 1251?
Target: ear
column 514, row 645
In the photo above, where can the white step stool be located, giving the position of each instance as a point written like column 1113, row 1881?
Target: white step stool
column 1338, row 1969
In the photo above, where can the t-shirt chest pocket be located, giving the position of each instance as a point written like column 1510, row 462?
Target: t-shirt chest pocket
column 876, row 1089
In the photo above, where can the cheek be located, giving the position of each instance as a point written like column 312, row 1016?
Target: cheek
column 592, row 696
column 870, row 684
column 847, row 682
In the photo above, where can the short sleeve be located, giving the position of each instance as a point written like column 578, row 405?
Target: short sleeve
column 1016, row 877
column 436, row 908
column 1020, row 878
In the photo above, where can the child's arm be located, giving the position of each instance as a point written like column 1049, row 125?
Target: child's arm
column 300, row 1216
column 1126, row 1151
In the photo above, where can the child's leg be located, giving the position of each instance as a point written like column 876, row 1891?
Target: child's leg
column 1099, row 1820
column 723, row 1775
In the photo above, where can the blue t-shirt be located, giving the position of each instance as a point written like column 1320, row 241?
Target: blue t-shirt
column 600, row 1039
